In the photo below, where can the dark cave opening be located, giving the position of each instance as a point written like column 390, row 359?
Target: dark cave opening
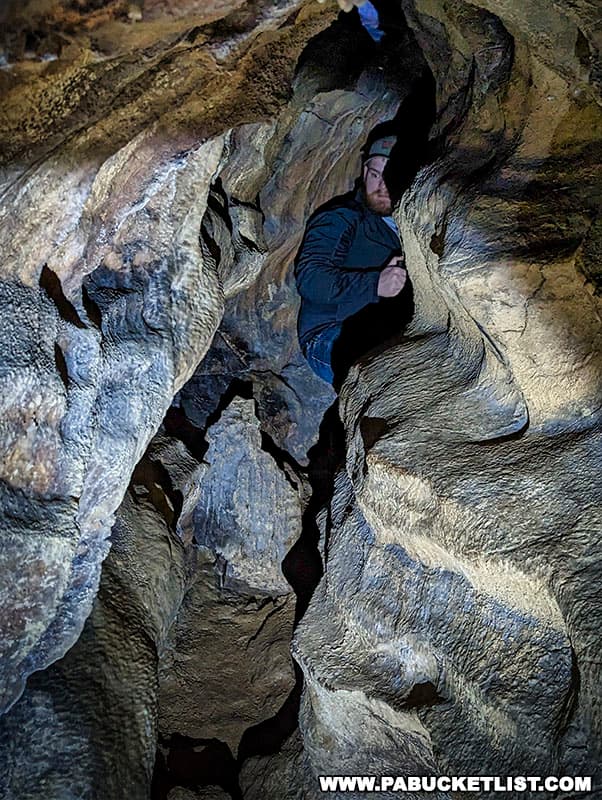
column 193, row 763
column 378, row 325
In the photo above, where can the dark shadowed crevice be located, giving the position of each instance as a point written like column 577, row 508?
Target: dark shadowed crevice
column 268, row 736
column 178, row 761
column 372, row 330
column 193, row 763
column 51, row 285
column 286, row 463
column 412, row 125
column 423, row 694
column 91, row 309
column 371, row 430
column 571, row 704
column 182, row 761
column 178, row 424
column 303, row 565
column 152, row 480
column 61, row 365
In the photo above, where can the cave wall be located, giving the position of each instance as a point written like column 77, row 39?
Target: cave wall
column 157, row 176
column 464, row 552
column 106, row 184
column 249, row 229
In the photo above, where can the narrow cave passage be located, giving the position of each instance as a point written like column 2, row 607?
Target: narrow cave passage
column 187, row 503
column 255, row 353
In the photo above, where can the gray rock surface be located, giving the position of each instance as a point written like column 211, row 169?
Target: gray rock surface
column 172, row 645
column 109, row 301
column 205, row 793
column 155, row 178
column 79, row 419
column 87, row 726
column 455, row 616
column 227, row 665
column 249, row 509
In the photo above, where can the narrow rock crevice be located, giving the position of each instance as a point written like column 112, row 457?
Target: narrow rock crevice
column 194, row 763
column 51, row 285
column 427, row 540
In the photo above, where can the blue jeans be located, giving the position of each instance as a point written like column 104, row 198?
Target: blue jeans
column 318, row 351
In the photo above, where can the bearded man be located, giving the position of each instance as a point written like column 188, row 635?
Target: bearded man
column 350, row 257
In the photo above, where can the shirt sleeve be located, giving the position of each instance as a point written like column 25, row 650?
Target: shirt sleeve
column 319, row 271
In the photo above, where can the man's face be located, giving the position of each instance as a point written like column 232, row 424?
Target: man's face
column 375, row 190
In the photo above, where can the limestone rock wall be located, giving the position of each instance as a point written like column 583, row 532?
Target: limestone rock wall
column 87, row 726
column 108, row 162
column 465, row 532
column 177, row 650
column 158, row 163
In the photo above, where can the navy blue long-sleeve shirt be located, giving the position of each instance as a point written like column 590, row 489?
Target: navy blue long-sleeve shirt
column 338, row 265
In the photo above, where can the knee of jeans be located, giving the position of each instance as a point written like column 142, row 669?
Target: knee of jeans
column 322, row 370
column 320, row 367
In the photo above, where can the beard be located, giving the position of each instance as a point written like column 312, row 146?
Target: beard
column 379, row 202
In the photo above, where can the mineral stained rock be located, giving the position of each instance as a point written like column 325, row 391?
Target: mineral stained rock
column 109, row 301
column 158, row 162
column 453, row 624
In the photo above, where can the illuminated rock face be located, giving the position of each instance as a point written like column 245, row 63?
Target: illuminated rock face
column 156, row 180
column 110, row 301
column 464, row 544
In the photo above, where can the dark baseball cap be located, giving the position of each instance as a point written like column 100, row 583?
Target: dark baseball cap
column 382, row 147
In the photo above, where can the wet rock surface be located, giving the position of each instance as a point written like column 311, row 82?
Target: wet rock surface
column 158, row 163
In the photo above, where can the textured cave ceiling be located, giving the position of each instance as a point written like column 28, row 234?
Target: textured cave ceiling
column 164, row 445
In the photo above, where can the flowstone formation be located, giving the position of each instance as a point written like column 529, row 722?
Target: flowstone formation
column 159, row 161
column 453, row 628
column 108, row 161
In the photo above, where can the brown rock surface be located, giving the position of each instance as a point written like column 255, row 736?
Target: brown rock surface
column 465, row 538
column 279, row 777
column 227, row 664
column 155, row 180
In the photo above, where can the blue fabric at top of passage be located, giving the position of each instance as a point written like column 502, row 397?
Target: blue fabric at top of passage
column 370, row 21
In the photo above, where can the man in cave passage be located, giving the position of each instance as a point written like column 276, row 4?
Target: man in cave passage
column 350, row 257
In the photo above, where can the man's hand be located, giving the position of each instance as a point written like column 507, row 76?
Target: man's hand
column 392, row 279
